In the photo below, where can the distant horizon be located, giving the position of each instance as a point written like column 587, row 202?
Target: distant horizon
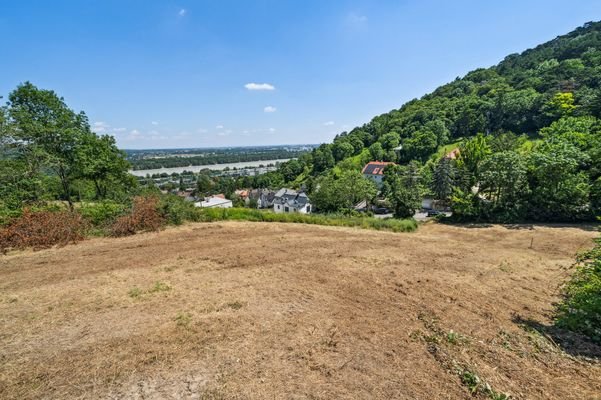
column 203, row 75
column 220, row 147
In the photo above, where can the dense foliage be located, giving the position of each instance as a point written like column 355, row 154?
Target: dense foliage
column 581, row 310
column 528, row 131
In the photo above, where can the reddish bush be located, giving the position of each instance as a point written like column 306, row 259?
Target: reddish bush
column 144, row 216
column 42, row 229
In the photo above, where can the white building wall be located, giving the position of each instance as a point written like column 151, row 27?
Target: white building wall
column 281, row 208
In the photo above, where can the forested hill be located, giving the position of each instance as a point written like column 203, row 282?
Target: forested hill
column 551, row 90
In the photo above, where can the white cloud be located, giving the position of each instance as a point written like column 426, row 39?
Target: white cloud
column 119, row 129
column 182, row 12
column 219, row 127
column 328, row 123
column 134, row 135
column 270, row 109
column 99, row 127
column 259, row 86
column 201, row 130
column 271, row 130
column 155, row 123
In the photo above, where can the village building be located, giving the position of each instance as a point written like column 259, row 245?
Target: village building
column 263, row 197
column 290, row 201
column 217, row 201
column 374, row 171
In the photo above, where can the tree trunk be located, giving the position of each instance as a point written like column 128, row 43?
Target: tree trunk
column 65, row 184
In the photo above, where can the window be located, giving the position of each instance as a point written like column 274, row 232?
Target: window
column 286, row 209
column 278, row 207
column 308, row 209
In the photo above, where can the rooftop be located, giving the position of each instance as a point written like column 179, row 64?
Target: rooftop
column 375, row 167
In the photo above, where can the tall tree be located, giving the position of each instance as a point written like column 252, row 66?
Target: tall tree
column 42, row 121
column 443, row 179
column 402, row 190
column 503, row 181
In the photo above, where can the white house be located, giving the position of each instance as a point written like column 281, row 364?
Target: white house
column 289, row 201
column 214, row 202
column 374, row 171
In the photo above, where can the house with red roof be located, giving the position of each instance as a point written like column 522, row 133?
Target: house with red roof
column 374, row 171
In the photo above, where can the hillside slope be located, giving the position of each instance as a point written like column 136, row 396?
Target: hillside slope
column 537, row 112
column 516, row 96
column 262, row 311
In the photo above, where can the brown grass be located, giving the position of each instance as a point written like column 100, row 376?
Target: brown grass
column 263, row 311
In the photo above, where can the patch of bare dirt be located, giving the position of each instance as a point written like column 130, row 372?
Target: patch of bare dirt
column 263, row 311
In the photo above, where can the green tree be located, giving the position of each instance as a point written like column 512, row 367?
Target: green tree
column 560, row 190
column 443, row 179
column 43, row 122
column 390, row 140
column 99, row 160
column 504, row 183
column 402, row 190
column 560, row 105
column 472, row 153
column 322, row 158
column 204, row 184
column 342, row 149
column 343, row 192
column 377, row 151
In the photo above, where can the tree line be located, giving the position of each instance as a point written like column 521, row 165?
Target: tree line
column 215, row 157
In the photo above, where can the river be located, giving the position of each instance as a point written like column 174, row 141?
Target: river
column 197, row 168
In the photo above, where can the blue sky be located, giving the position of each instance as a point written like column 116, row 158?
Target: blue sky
column 160, row 74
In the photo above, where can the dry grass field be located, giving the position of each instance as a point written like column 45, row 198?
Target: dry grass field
column 240, row 310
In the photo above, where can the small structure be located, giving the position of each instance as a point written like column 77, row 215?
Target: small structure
column 289, row 201
column 214, row 202
column 243, row 194
column 374, row 171
column 263, row 197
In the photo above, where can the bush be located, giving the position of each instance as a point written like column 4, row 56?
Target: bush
column 42, row 229
column 144, row 216
column 102, row 213
column 7, row 214
column 176, row 210
column 581, row 309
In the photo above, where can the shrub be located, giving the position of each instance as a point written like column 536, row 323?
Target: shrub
column 581, row 309
column 176, row 210
column 7, row 214
column 42, row 229
column 102, row 213
column 144, row 216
